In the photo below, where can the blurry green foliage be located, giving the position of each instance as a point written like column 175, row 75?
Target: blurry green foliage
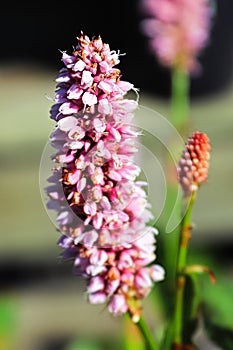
column 83, row 345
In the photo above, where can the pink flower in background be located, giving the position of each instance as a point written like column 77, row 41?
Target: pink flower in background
column 178, row 30
column 102, row 210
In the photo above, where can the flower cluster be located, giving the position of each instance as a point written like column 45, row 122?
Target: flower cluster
column 194, row 163
column 117, row 275
column 178, row 30
column 102, row 210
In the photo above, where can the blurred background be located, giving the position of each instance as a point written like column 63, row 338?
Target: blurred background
column 42, row 303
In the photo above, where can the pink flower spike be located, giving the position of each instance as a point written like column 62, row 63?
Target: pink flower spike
column 177, row 30
column 100, row 207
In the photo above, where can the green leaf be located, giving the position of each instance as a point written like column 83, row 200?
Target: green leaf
column 221, row 336
column 168, row 337
column 7, row 315
column 217, row 297
column 218, row 301
column 190, row 310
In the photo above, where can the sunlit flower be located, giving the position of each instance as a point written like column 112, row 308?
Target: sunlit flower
column 93, row 188
column 118, row 276
column 88, row 77
column 194, row 163
column 102, row 210
column 178, row 30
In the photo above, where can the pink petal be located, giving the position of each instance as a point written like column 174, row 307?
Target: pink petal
column 90, row 208
column 68, row 60
column 112, row 286
column 104, row 107
column 81, row 184
column 115, row 133
column 80, row 162
column 65, row 124
column 74, row 92
column 96, row 284
column 157, row 273
column 68, row 108
column 104, row 67
column 143, row 279
column 114, row 175
column 87, row 78
column 89, row 99
column 74, row 177
column 64, row 218
column 125, row 85
column 97, row 298
column 118, row 305
column 99, row 125
column 79, row 66
column 105, row 203
column 75, row 144
column 76, row 133
column 94, row 270
column 98, row 257
column 125, row 261
column 90, row 238
column 97, row 221
column 105, row 86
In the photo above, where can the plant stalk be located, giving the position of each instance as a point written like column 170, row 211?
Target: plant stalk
column 149, row 340
column 185, row 235
column 180, row 84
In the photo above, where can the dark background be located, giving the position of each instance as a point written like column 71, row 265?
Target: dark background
column 35, row 32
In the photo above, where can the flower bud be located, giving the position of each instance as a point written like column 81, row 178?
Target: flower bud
column 194, row 163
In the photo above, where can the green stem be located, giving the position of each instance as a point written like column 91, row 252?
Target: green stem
column 149, row 340
column 179, row 113
column 179, row 98
column 185, row 236
column 185, row 227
